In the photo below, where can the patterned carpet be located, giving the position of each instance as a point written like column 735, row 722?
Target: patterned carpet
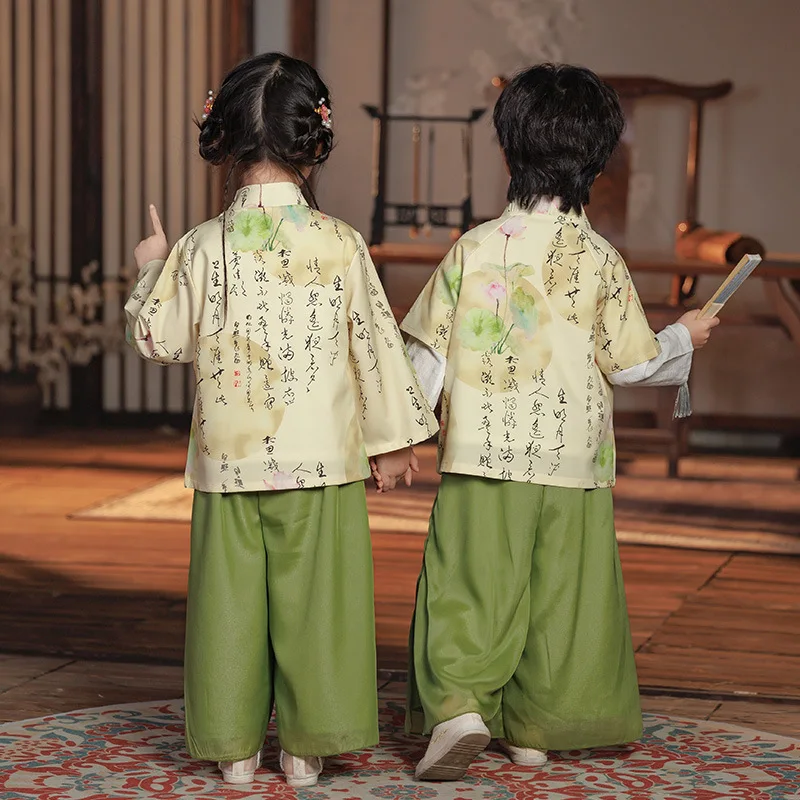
column 137, row 751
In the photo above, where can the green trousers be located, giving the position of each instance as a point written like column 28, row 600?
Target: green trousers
column 521, row 617
column 280, row 610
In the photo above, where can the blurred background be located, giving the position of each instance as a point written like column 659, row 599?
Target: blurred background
column 97, row 106
column 97, row 101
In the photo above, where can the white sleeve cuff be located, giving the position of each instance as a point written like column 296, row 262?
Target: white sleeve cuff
column 430, row 367
column 670, row 368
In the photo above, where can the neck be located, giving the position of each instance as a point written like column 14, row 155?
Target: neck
column 266, row 172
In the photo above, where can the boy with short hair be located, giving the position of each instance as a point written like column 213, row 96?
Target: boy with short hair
column 521, row 629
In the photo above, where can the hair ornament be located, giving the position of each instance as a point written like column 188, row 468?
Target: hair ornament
column 209, row 104
column 325, row 113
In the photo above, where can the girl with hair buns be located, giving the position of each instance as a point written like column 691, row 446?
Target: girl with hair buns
column 301, row 379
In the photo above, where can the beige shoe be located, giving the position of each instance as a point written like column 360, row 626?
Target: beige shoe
column 301, row 770
column 523, row 756
column 453, row 746
column 240, row 771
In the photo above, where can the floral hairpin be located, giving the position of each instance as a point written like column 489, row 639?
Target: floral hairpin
column 325, row 113
column 209, row 104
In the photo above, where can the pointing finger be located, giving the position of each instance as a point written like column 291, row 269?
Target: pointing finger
column 157, row 226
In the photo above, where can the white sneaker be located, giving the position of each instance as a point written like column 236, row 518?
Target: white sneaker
column 523, row 756
column 453, row 746
column 301, row 770
column 240, row 771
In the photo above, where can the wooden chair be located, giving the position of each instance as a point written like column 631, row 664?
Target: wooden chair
column 608, row 212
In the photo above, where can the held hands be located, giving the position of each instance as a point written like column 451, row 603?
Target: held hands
column 388, row 468
column 700, row 329
column 154, row 247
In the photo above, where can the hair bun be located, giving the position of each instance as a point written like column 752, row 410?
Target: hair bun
column 314, row 145
column 213, row 147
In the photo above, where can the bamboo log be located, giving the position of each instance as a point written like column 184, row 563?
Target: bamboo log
column 718, row 247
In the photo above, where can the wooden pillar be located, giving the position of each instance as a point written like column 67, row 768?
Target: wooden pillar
column 303, row 30
column 237, row 32
column 236, row 45
column 86, row 93
column 378, row 223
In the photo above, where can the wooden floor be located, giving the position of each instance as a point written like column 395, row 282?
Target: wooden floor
column 91, row 612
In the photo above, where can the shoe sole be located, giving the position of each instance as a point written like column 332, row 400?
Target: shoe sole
column 522, row 761
column 240, row 779
column 300, row 783
column 525, row 763
column 453, row 763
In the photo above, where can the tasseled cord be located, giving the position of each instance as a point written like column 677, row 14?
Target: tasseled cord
column 683, row 403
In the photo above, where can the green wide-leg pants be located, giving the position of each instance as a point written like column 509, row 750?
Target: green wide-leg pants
column 521, row 617
column 280, row 610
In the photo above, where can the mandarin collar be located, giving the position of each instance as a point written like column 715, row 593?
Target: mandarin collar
column 269, row 195
column 549, row 207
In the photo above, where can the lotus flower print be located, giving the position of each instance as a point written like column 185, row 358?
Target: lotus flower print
column 496, row 291
column 281, row 480
column 513, row 228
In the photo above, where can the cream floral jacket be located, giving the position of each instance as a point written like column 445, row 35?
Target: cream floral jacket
column 301, row 371
column 533, row 311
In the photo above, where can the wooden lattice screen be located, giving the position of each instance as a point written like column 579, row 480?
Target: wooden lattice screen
column 97, row 99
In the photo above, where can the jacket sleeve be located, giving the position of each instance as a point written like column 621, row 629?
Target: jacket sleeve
column 431, row 318
column 394, row 411
column 622, row 336
column 670, row 368
column 163, row 311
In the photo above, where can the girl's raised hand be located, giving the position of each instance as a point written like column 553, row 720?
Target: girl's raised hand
column 154, row 247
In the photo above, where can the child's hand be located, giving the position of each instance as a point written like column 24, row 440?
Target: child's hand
column 700, row 329
column 389, row 467
column 154, row 247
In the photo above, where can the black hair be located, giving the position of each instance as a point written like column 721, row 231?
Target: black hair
column 558, row 125
column 266, row 110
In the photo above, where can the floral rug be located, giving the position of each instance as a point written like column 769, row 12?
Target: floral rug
column 137, row 751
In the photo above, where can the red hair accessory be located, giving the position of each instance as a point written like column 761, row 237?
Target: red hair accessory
column 325, row 113
column 209, row 104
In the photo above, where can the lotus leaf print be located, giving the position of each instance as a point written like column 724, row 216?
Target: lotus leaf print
column 524, row 311
column 481, row 330
column 450, row 288
column 499, row 350
column 605, row 462
column 253, row 230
